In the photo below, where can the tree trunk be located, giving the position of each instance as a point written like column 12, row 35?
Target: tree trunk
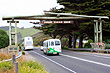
column 70, row 41
column 61, row 41
column 80, row 40
column 74, row 40
column 54, row 36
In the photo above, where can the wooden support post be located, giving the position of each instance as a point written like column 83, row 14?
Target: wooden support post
column 10, row 33
column 100, row 28
column 97, row 32
column 15, row 33
column 16, row 67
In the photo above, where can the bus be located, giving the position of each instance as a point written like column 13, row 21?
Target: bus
column 28, row 43
column 52, row 46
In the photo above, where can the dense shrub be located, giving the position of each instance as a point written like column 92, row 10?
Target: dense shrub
column 23, row 53
column 87, row 45
column 19, row 47
column 65, row 48
column 107, row 46
column 4, row 56
column 64, row 42
column 4, row 39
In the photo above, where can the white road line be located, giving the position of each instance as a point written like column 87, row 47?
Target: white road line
column 86, row 60
column 92, row 55
column 54, row 62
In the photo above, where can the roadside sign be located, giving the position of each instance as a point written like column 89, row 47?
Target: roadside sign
column 57, row 22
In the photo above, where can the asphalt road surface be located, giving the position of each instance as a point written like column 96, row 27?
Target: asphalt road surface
column 73, row 62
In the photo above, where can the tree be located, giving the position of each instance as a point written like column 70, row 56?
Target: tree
column 4, row 39
column 88, row 7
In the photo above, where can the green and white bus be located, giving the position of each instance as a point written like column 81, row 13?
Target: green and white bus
column 52, row 46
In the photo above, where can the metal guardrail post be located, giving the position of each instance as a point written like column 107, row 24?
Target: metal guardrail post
column 16, row 67
column 13, row 59
column 107, row 51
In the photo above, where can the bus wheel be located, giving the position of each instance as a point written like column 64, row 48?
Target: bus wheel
column 47, row 53
column 43, row 51
column 57, row 53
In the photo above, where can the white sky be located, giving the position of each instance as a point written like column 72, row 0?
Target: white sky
column 24, row 7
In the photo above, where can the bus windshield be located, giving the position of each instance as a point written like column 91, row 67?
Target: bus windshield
column 57, row 42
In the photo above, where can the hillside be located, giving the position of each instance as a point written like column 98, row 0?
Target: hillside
column 26, row 31
column 6, row 28
column 39, row 38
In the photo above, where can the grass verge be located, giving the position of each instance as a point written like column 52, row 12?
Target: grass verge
column 4, row 56
column 24, row 66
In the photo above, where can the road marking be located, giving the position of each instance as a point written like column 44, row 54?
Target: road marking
column 54, row 62
column 86, row 60
column 92, row 55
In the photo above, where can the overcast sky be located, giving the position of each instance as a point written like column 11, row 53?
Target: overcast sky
column 24, row 7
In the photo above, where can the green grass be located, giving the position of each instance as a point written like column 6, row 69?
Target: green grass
column 26, row 32
column 31, row 67
column 6, row 67
column 23, row 66
column 65, row 48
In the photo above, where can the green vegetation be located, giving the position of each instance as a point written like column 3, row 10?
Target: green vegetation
column 87, row 45
column 23, row 53
column 31, row 67
column 88, row 7
column 66, row 48
column 26, row 31
column 24, row 65
column 38, row 40
column 6, row 67
column 4, row 39
column 107, row 46
column 81, row 28
column 19, row 47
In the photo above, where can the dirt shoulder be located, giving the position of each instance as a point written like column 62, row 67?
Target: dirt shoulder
column 28, row 57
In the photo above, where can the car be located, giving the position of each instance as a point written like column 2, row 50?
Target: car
column 41, row 48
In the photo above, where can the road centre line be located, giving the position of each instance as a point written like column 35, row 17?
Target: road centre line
column 92, row 55
column 54, row 62
column 86, row 60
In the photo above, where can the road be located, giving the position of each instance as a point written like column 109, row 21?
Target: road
column 73, row 62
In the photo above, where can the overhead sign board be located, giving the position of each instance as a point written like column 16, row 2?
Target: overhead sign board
column 57, row 22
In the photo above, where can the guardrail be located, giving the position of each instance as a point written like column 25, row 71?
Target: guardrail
column 13, row 59
column 19, row 55
column 91, row 49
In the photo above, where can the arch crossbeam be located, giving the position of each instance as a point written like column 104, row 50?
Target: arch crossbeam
column 64, row 16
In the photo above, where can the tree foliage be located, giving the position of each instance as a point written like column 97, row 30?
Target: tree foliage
column 81, row 7
column 4, row 39
column 88, row 7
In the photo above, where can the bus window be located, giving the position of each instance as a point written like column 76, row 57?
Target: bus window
column 57, row 42
column 52, row 43
column 44, row 44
